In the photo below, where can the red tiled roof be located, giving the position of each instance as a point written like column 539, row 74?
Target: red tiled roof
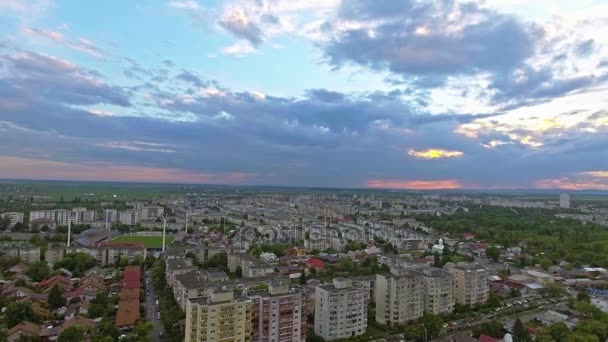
column 60, row 278
column 486, row 338
column 127, row 313
column 131, row 276
column 77, row 292
column 315, row 262
column 131, row 284
column 135, row 269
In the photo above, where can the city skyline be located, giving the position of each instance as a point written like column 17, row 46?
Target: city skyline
column 360, row 94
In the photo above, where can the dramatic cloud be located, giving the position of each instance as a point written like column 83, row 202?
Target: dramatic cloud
column 240, row 25
column 434, row 153
column 428, row 39
column 409, row 94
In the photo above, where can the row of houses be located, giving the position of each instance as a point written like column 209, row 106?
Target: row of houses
column 127, row 313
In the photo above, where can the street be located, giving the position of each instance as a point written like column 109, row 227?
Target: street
column 151, row 309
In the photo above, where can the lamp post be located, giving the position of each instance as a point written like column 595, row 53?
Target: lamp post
column 426, row 333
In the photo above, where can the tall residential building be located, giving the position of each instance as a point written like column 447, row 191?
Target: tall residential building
column 14, row 217
column 340, row 310
column 279, row 315
column 564, row 201
column 470, row 282
column 151, row 213
column 399, row 298
column 219, row 317
column 110, row 216
column 82, row 215
column 129, row 217
column 438, row 291
column 60, row 217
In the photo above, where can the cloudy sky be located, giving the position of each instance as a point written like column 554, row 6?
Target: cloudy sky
column 352, row 93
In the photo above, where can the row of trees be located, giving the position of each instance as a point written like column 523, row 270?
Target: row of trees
column 559, row 239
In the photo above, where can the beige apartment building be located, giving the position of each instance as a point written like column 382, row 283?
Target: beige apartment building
column 399, row 297
column 470, row 282
column 438, row 291
column 340, row 310
column 219, row 317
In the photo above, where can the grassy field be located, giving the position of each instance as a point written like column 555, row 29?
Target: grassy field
column 148, row 241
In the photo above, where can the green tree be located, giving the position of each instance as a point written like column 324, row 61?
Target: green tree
column 433, row 324
column 17, row 312
column 143, row 329
column 519, row 332
column 593, row 327
column 302, row 278
column 583, row 297
column 492, row 253
column 71, row 334
column 555, row 290
column 492, row 328
column 581, row 337
column 414, row 332
column 38, row 271
column 559, row 331
column 56, row 299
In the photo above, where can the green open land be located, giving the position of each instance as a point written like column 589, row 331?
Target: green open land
column 148, row 241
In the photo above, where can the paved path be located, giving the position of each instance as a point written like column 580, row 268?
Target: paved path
column 151, row 310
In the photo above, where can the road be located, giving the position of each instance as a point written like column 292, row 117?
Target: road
column 151, row 309
column 508, row 319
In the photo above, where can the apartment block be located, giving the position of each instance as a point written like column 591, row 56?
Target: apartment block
column 279, row 315
column 14, row 217
column 340, row 310
column 110, row 216
column 60, row 217
column 399, row 297
column 219, row 317
column 470, row 282
column 438, row 291
column 82, row 215
column 129, row 217
column 24, row 250
column 151, row 213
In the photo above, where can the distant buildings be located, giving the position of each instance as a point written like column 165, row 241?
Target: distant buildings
column 564, row 201
column 470, row 282
column 27, row 252
column 340, row 310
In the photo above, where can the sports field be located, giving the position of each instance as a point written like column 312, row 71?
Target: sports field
column 148, row 241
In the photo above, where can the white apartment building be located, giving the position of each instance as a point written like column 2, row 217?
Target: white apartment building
column 61, row 217
column 340, row 310
column 564, row 201
column 438, row 291
column 110, row 216
column 82, row 215
column 129, row 217
column 399, row 298
column 15, row 217
column 151, row 213
column 470, row 282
